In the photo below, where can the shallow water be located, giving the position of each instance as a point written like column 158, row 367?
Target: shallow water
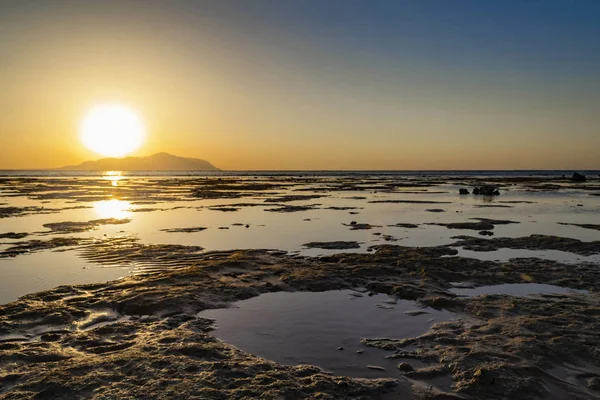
column 308, row 328
column 46, row 270
column 153, row 205
column 516, row 289
column 508, row 254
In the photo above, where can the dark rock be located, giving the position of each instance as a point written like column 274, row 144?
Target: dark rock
column 486, row 233
column 13, row 235
column 339, row 245
column 594, row 383
column 403, row 225
column 355, row 226
column 585, row 226
column 185, row 230
column 405, row 367
column 486, row 190
column 476, row 226
column 463, row 191
column 496, row 221
column 577, row 177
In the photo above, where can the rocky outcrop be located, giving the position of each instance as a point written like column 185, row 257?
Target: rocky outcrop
column 486, row 190
column 577, row 177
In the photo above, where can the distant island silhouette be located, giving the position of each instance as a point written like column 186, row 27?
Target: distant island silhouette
column 155, row 162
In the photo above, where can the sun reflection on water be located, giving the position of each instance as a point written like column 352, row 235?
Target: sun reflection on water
column 113, row 176
column 114, row 208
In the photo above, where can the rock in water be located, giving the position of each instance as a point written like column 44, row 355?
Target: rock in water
column 413, row 313
column 405, row 367
column 486, row 233
column 463, row 191
column 486, row 190
column 577, row 177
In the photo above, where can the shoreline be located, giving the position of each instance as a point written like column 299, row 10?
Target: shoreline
column 142, row 334
column 150, row 321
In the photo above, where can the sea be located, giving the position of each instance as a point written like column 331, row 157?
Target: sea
column 469, row 173
column 280, row 210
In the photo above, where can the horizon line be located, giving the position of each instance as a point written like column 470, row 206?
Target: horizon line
column 300, row 170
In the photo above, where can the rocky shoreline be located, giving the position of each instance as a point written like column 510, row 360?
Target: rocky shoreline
column 141, row 334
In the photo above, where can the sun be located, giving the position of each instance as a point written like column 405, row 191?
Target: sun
column 112, row 130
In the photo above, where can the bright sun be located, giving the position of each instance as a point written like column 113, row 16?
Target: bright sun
column 112, row 130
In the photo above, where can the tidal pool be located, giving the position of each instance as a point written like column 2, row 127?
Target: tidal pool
column 46, row 270
column 324, row 328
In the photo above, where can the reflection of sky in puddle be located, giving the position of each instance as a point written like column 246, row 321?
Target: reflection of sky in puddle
column 46, row 270
column 507, row 254
column 308, row 328
column 516, row 289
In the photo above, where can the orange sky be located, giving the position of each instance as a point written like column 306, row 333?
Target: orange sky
column 265, row 89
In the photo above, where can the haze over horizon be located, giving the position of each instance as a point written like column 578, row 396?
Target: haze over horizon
column 297, row 85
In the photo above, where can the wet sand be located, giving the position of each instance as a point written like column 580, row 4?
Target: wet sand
column 142, row 333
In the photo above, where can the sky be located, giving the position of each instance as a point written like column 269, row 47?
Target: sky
column 308, row 84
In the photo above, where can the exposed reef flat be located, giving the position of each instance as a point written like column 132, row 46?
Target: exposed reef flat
column 70, row 226
column 332, row 245
column 105, row 340
column 142, row 336
column 482, row 225
column 185, row 230
column 595, row 227
column 533, row 242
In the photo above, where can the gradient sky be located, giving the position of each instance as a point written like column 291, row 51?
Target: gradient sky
column 309, row 84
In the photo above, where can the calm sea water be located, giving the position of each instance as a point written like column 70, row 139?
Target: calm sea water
column 446, row 173
column 154, row 211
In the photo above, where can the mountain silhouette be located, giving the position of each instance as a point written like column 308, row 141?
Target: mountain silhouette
column 155, row 162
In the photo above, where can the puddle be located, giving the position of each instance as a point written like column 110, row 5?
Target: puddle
column 309, row 328
column 516, row 289
column 46, row 270
column 503, row 255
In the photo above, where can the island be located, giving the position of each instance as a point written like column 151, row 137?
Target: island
column 155, row 162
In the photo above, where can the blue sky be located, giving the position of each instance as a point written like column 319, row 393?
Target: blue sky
column 515, row 83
